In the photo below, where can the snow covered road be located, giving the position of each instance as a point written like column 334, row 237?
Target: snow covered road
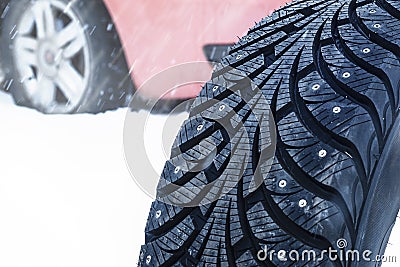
column 66, row 195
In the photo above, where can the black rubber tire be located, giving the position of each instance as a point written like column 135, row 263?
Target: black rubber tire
column 330, row 70
column 110, row 85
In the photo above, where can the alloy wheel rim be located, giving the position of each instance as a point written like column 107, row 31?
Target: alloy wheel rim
column 52, row 56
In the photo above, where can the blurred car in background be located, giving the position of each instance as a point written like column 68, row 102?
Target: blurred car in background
column 71, row 56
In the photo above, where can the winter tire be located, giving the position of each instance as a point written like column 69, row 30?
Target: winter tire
column 330, row 71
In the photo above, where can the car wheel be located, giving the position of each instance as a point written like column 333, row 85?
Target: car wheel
column 63, row 56
column 319, row 187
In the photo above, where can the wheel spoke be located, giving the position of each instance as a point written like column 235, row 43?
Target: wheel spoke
column 74, row 47
column 44, row 19
column 70, row 82
column 49, row 18
column 26, row 55
column 39, row 20
column 26, row 24
column 45, row 92
column 28, row 58
column 26, row 43
column 72, row 32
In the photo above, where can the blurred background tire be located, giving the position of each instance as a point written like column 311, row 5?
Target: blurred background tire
column 62, row 56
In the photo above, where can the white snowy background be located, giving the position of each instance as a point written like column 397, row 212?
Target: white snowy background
column 66, row 195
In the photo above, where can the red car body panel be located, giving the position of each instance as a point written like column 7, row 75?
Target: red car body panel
column 158, row 34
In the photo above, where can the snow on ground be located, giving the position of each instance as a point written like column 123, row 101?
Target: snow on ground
column 66, row 195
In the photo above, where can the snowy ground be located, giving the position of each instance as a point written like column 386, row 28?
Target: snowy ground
column 66, row 195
